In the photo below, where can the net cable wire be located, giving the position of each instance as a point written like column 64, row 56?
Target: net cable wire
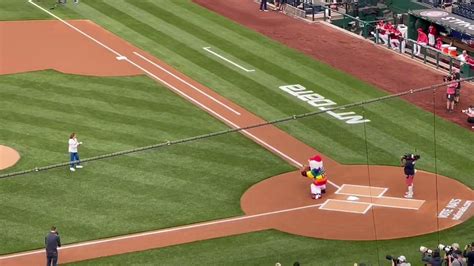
column 231, row 130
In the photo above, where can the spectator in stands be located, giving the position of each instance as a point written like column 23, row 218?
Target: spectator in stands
column 469, row 249
column 263, row 5
column 432, row 35
column 422, row 40
column 439, row 42
column 469, row 253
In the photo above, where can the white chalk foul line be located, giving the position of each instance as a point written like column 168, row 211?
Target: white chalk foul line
column 187, row 83
column 208, row 49
column 157, row 232
column 121, row 57
column 118, row 55
column 230, row 123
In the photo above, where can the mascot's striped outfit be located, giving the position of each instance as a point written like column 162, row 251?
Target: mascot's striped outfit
column 315, row 171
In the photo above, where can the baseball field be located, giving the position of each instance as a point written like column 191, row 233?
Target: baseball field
column 170, row 83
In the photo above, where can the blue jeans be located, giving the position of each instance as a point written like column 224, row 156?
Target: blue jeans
column 51, row 259
column 74, row 157
column 263, row 5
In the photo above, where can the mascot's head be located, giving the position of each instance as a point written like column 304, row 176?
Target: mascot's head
column 315, row 162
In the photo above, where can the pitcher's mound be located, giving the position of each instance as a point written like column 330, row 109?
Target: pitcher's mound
column 8, row 157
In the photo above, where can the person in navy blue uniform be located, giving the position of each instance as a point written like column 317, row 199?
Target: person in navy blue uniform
column 408, row 161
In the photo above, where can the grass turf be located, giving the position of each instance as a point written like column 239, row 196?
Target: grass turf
column 176, row 31
column 155, row 189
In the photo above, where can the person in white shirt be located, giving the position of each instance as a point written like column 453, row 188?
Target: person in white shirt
column 74, row 155
column 462, row 57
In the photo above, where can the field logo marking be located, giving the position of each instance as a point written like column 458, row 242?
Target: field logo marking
column 227, row 60
column 227, row 121
column 320, row 102
column 455, row 209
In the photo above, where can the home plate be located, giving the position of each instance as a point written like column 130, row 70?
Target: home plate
column 352, row 198
column 121, row 57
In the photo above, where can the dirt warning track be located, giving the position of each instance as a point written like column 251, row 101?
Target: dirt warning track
column 280, row 202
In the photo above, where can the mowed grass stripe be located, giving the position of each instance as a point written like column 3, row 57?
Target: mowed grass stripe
column 259, row 47
column 293, row 61
column 94, row 99
column 268, row 72
column 189, row 33
column 114, row 122
column 161, row 116
column 138, row 22
column 182, row 49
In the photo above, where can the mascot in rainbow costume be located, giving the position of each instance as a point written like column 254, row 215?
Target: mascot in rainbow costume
column 315, row 171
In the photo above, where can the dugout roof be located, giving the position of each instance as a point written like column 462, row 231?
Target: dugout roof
column 446, row 19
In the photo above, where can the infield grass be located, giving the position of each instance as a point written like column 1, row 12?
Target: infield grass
column 162, row 188
column 176, row 31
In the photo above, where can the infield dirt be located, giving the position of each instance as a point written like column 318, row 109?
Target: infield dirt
column 263, row 210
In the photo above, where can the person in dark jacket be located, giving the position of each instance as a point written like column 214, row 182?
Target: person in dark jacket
column 52, row 242
column 408, row 162
column 433, row 259
column 469, row 254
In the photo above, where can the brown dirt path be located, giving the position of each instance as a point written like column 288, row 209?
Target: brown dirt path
column 374, row 64
column 40, row 49
column 291, row 205
column 8, row 157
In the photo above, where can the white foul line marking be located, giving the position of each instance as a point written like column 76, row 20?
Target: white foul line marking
column 293, row 161
column 157, row 232
column 187, row 83
column 76, row 29
column 121, row 58
column 227, row 60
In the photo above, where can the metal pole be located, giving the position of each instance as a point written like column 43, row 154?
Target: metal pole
column 437, row 59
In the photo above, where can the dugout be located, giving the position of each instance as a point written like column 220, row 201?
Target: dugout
column 452, row 28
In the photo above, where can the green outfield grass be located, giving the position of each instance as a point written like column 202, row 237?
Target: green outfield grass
column 121, row 113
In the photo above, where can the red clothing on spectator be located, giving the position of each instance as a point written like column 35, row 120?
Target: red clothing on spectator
column 432, row 30
column 422, row 37
column 438, row 44
column 381, row 28
column 396, row 34
column 469, row 60
column 451, row 88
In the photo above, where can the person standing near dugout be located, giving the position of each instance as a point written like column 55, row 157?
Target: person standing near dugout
column 73, row 154
column 408, row 162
